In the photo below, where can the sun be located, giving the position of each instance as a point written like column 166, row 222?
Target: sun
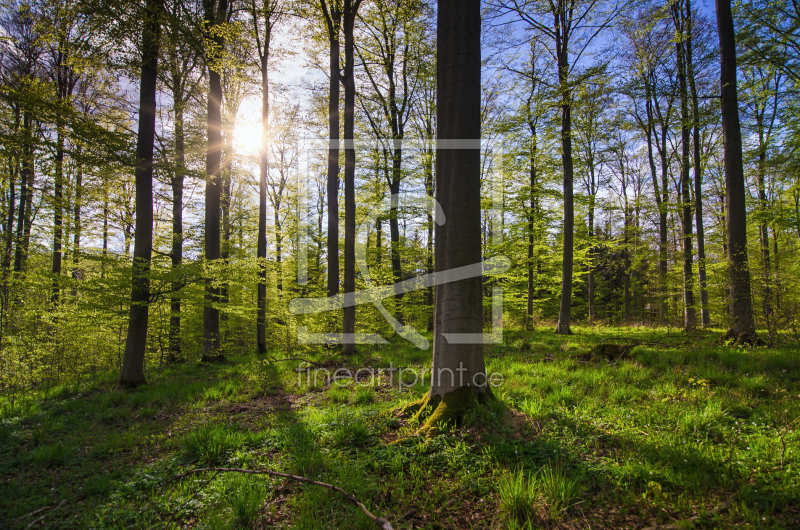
column 247, row 135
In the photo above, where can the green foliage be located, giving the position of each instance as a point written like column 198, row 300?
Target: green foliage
column 211, row 445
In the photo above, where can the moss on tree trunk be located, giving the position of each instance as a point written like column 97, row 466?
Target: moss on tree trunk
column 434, row 413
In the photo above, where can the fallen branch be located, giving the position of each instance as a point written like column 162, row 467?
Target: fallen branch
column 43, row 508
column 383, row 524
column 682, row 525
column 45, row 515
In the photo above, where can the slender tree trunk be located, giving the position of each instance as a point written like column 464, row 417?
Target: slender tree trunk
column 105, row 236
column 657, row 193
column 25, row 198
column 132, row 372
column 458, row 305
column 333, row 19
column 175, row 347
column 350, row 10
column 698, row 171
column 762, row 227
column 76, row 237
column 278, row 249
column 531, row 221
column 764, row 232
column 261, row 246
column 690, row 318
column 58, row 215
column 212, row 351
column 394, row 230
column 9, row 228
column 739, row 275
column 565, row 307
column 590, row 279
column 378, row 238
column 627, row 279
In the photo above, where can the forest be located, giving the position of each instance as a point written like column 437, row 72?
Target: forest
column 405, row 264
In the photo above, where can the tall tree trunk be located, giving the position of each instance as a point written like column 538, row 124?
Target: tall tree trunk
column 58, row 214
column 261, row 246
column 739, row 275
column 25, row 197
column 458, row 305
column 590, row 279
column 215, row 13
column 689, row 312
column 105, row 236
column 394, row 230
column 76, row 237
column 698, row 170
column 764, row 229
column 175, row 347
column 9, row 228
column 565, row 306
column 350, row 11
column 132, row 372
column 333, row 19
column 627, row 279
column 531, row 220
column 662, row 264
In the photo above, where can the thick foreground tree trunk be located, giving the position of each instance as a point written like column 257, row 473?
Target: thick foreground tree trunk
column 458, row 379
column 736, row 214
column 132, row 372
column 212, row 351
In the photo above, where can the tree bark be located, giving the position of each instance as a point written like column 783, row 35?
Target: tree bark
column 739, row 275
column 132, row 372
column 531, row 220
column 25, row 197
column 175, row 347
column 333, row 19
column 689, row 311
column 261, row 246
column 565, row 306
column 458, row 305
column 698, row 170
column 349, row 17
column 58, row 214
column 76, row 237
column 215, row 13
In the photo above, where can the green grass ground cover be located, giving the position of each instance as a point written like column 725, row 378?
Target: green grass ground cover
column 663, row 434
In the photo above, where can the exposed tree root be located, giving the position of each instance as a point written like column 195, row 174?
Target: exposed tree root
column 438, row 411
column 383, row 524
column 740, row 339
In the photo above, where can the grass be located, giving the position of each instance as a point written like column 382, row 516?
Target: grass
column 666, row 434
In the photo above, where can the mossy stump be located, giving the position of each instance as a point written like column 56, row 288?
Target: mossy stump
column 439, row 411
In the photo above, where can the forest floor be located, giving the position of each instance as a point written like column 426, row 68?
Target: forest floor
column 677, row 431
